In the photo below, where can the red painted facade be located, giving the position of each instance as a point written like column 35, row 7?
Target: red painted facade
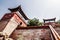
column 16, row 17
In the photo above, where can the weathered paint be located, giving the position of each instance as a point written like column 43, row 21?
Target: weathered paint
column 10, row 27
column 32, row 34
column 20, row 20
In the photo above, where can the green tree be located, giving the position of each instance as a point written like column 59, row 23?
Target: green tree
column 34, row 22
column 58, row 21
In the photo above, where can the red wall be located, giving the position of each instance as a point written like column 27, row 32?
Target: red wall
column 18, row 19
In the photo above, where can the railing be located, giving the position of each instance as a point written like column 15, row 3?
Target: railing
column 54, row 33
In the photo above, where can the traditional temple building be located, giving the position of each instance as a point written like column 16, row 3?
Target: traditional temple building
column 13, row 25
column 17, row 14
column 10, row 21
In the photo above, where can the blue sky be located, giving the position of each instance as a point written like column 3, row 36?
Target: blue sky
column 33, row 8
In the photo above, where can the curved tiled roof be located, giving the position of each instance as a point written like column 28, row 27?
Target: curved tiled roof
column 20, row 10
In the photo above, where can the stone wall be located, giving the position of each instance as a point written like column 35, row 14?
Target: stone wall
column 32, row 34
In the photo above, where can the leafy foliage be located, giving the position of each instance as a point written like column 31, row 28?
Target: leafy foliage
column 58, row 21
column 34, row 22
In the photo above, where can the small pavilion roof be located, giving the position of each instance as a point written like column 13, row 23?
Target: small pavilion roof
column 49, row 19
column 52, row 19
